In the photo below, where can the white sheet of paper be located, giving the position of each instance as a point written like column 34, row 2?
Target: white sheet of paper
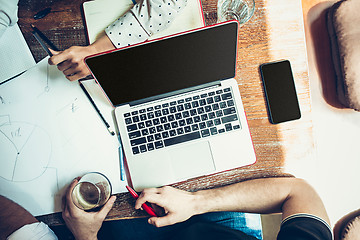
column 50, row 134
column 15, row 55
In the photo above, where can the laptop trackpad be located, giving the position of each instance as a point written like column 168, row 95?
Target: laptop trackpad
column 192, row 160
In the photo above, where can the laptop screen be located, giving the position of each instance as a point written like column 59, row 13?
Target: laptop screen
column 167, row 65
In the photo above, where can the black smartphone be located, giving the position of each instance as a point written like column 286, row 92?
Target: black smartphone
column 279, row 86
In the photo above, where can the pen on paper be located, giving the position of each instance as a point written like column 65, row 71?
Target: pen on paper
column 97, row 110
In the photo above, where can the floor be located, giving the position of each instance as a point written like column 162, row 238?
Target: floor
column 334, row 169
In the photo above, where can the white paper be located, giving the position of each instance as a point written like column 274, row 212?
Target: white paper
column 15, row 55
column 50, row 134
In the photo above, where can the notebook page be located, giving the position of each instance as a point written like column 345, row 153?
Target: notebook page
column 15, row 55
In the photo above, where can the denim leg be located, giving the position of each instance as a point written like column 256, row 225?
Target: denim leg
column 248, row 223
column 140, row 229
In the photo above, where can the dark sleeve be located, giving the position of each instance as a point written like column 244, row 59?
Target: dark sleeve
column 304, row 227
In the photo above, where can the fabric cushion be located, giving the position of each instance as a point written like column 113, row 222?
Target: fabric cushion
column 343, row 21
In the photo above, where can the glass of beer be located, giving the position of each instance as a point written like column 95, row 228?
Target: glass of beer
column 92, row 191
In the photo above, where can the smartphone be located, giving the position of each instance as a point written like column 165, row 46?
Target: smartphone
column 279, row 86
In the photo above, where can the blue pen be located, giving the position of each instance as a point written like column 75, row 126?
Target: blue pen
column 121, row 159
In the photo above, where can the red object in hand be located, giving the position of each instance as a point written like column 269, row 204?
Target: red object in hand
column 147, row 208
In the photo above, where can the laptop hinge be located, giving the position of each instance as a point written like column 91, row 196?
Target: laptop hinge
column 174, row 93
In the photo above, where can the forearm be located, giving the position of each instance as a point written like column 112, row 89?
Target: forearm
column 270, row 195
column 12, row 217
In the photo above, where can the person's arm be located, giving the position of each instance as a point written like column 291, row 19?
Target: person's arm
column 137, row 25
column 84, row 225
column 13, row 217
column 270, row 195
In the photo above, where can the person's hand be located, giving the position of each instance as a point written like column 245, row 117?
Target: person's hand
column 83, row 225
column 71, row 61
column 177, row 205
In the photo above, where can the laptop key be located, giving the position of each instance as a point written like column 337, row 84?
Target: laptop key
column 159, row 144
column 195, row 127
column 134, row 135
column 150, row 146
column 145, row 132
column 180, row 131
column 167, row 126
column 227, row 90
column 172, row 133
column 126, row 114
column 150, row 138
column 135, row 150
column 182, row 138
column 213, row 131
column 157, row 136
column 229, row 111
column 205, row 133
column 165, row 134
column 141, row 125
column 236, row 127
column 128, row 121
column 138, row 141
column 187, row 129
column 226, row 96
column 221, row 130
column 143, row 148
column 132, row 127
column 182, row 123
column 230, row 118
column 143, row 117
column 228, row 127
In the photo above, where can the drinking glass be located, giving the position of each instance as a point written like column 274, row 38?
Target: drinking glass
column 92, row 191
column 240, row 10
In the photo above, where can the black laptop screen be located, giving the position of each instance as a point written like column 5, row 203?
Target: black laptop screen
column 167, row 65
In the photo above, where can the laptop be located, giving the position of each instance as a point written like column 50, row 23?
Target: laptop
column 178, row 107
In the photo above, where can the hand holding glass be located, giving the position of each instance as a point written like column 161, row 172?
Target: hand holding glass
column 92, row 191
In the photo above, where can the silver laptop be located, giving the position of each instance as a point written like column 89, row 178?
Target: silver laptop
column 177, row 105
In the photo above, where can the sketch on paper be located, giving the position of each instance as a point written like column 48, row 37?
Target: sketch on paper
column 26, row 150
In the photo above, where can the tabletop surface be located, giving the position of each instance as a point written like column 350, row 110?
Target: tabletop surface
column 274, row 32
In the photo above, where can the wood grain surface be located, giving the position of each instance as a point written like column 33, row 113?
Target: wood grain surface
column 274, row 32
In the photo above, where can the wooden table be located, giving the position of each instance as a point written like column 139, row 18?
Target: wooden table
column 275, row 32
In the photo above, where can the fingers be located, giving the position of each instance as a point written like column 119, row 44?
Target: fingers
column 106, row 208
column 151, row 195
column 71, row 62
column 69, row 203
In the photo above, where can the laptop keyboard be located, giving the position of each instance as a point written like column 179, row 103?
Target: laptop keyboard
column 186, row 119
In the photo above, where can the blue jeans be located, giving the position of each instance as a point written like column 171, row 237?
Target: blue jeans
column 139, row 228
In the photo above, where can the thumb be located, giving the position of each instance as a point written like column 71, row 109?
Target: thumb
column 53, row 51
column 107, row 207
column 161, row 221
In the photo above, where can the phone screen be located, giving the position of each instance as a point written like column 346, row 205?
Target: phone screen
column 280, row 91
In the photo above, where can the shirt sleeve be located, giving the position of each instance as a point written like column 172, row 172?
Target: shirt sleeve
column 304, row 227
column 143, row 20
column 8, row 14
